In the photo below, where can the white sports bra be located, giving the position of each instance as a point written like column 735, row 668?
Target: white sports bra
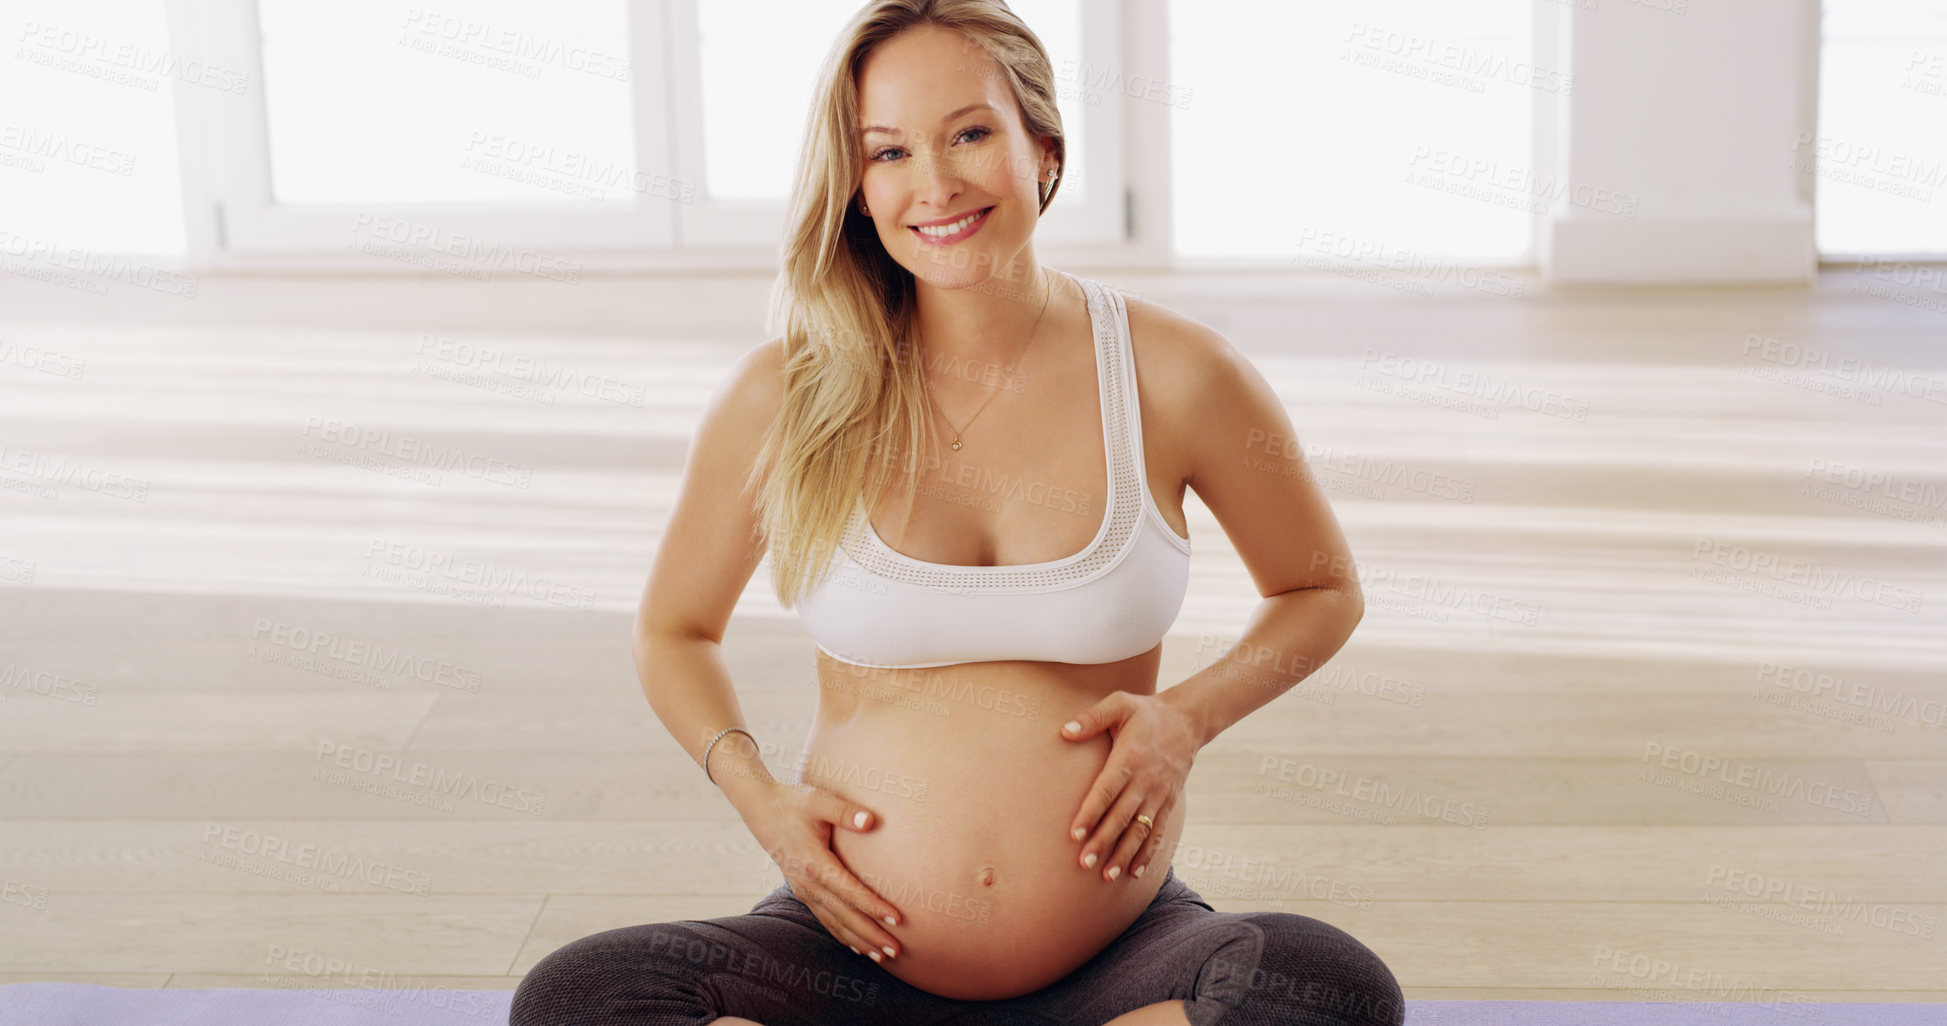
column 1113, row 600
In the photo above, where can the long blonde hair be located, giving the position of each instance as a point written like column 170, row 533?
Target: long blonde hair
column 854, row 395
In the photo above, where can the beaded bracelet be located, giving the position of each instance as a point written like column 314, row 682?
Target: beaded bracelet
column 713, row 744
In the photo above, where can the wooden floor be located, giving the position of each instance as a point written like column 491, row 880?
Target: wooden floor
column 1650, row 701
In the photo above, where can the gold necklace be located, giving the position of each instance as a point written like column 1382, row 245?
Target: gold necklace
column 1048, row 295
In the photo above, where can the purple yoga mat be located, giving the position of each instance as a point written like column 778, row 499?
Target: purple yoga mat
column 1689, row 1013
column 86, row 1004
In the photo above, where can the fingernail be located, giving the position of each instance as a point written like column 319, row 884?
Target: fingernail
column 855, row 951
column 1078, row 833
column 875, row 956
column 890, row 922
column 859, row 820
column 1139, row 870
column 887, row 949
column 1089, row 860
column 1072, row 726
column 1115, row 871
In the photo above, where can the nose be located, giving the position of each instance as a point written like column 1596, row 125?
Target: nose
column 936, row 180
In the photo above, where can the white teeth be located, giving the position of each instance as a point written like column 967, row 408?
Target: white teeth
column 955, row 228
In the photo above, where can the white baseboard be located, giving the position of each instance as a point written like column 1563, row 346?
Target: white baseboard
column 1686, row 250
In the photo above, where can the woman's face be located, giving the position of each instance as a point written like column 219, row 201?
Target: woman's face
column 937, row 161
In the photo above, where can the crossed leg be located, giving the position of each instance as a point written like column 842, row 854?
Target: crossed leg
column 1181, row 963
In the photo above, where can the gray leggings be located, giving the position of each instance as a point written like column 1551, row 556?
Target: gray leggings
column 778, row 965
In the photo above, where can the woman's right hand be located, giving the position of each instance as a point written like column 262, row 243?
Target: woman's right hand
column 802, row 820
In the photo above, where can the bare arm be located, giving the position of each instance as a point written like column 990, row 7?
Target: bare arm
column 708, row 552
column 1228, row 437
column 1246, row 464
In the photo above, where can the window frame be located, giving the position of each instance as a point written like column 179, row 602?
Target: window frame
column 235, row 225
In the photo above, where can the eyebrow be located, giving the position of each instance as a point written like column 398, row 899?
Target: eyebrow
column 894, row 131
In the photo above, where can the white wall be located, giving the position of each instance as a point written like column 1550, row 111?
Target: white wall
column 1693, row 108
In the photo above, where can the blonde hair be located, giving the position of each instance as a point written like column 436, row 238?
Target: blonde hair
column 854, row 395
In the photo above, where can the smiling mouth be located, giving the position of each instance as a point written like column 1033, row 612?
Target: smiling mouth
column 948, row 231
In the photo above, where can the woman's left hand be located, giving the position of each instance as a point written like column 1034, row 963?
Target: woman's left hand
column 1155, row 741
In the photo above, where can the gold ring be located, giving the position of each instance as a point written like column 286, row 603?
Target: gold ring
column 1145, row 821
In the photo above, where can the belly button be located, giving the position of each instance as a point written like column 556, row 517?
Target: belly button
column 985, row 876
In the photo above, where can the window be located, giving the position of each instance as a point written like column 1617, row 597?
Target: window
column 88, row 154
column 1354, row 131
column 395, row 101
column 1879, row 158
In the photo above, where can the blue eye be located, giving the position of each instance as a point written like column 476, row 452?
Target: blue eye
column 984, row 133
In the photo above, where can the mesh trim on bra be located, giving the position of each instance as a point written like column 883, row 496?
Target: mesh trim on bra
column 1125, row 501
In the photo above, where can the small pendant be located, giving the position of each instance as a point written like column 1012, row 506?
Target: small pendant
column 956, row 445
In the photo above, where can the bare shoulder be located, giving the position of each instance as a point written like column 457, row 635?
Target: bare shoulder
column 758, row 375
column 1185, row 352
column 748, row 398
column 1185, row 368
column 738, row 414
column 711, row 544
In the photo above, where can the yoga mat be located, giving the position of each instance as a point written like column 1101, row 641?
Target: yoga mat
column 1667, row 1013
column 87, row 1004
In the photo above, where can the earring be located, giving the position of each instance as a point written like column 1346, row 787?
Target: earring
column 862, row 208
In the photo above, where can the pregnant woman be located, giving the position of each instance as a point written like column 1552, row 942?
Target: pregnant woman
column 980, row 827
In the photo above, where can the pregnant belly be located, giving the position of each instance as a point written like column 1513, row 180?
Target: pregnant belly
column 973, row 791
